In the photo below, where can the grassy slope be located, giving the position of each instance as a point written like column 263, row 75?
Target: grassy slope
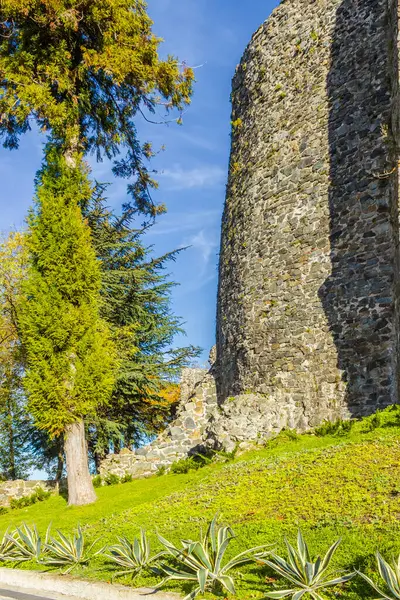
column 346, row 486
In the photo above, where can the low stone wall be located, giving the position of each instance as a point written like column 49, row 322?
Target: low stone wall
column 185, row 436
column 20, row 488
column 202, row 424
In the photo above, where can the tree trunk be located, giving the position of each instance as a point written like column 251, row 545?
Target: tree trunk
column 60, row 466
column 80, row 486
column 11, row 447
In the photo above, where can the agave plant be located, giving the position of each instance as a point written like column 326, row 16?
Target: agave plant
column 306, row 576
column 134, row 556
column 7, row 547
column 69, row 552
column 390, row 575
column 203, row 561
column 27, row 544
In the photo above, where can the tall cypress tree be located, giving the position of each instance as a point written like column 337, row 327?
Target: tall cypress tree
column 70, row 357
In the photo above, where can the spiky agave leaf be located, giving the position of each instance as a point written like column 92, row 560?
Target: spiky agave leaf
column 28, row 544
column 203, row 561
column 134, row 556
column 307, row 577
column 69, row 551
column 390, row 575
column 7, row 546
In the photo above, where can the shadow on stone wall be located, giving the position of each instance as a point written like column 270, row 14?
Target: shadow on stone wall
column 358, row 296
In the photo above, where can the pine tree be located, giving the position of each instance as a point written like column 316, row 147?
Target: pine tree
column 136, row 305
column 70, row 357
column 83, row 70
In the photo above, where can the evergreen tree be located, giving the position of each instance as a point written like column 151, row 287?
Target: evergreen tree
column 83, row 70
column 15, row 456
column 69, row 355
column 136, row 305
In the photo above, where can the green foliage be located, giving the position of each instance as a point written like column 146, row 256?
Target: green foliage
column 136, row 305
column 3, row 510
column 83, row 70
column 38, row 495
column 97, row 481
column 225, row 456
column 306, row 575
column 390, row 573
column 127, row 478
column 69, row 551
column 338, row 427
column 135, row 557
column 192, row 463
column 7, row 547
column 161, row 471
column 111, row 479
column 70, row 357
column 15, row 424
column 373, row 422
column 328, row 486
column 202, row 562
column 28, row 545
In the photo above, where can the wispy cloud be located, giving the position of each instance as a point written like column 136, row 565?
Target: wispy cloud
column 206, row 176
column 184, row 222
column 204, row 243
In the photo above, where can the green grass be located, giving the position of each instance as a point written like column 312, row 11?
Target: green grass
column 345, row 485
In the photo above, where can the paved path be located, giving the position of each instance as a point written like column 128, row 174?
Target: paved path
column 15, row 595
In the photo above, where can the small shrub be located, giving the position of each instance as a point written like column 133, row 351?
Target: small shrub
column 28, row 544
column 202, row 561
column 69, row 551
column 127, row 478
column 134, row 557
column 97, row 481
column 390, row 573
column 224, row 456
column 373, row 422
column 3, row 510
column 162, row 469
column 338, row 427
column 305, row 575
column 291, row 434
column 192, row 463
column 38, row 496
column 111, row 479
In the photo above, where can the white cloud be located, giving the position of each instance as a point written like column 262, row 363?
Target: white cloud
column 206, row 176
column 204, row 244
column 179, row 222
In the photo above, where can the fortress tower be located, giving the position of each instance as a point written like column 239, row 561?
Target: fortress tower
column 308, row 301
column 308, row 304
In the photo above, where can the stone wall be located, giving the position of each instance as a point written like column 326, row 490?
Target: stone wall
column 309, row 276
column 186, row 435
column 309, row 267
column 21, row 488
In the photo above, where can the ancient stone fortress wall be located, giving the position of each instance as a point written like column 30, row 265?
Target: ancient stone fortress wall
column 308, row 302
column 309, row 270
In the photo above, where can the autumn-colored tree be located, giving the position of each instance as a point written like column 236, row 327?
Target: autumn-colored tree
column 14, row 422
column 83, row 70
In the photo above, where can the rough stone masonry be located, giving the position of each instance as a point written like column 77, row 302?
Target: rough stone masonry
column 308, row 301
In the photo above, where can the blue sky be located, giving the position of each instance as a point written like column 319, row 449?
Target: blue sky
column 192, row 171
